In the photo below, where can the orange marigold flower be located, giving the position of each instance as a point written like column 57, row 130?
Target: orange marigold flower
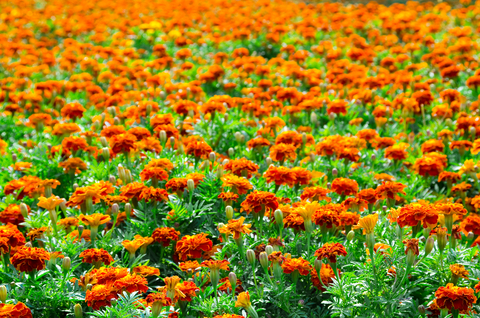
column 294, row 221
column 454, row 297
column 153, row 194
column 472, row 224
column 189, row 266
column 28, row 259
column 301, row 265
column 369, row 195
column 338, row 106
column 19, row 310
column 49, row 204
column 241, row 167
column 131, row 283
column 100, row 296
column 132, row 246
column 216, row 265
column 236, row 228
column 344, row 186
column 326, row 275
column 228, row 197
column 132, row 190
column 12, row 234
column 315, row 194
column 282, row 152
column 397, row 152
column 302, row 175
column 199, row 149
column 411, row 244
column 163, row 163
column 433, row 145
column 153, row 173
column 331, row 251
column 164, row 235
column 280, row 176
column 94, row 220
column 12, row 214
column 430, row 164
column 73, row 110
column 451, row 209
column 413, row 213
column 258, row 143
column 367, row 223
column 97, row 256
column 449, row 176
column 355, row 204
column 146, row 271
column 390, row 190
column 325, row 217
column 239, row 185
column 459, row 271
column 192, row 246
column 177, row 185
column 349, row 218
column 243, row 300
column 260, row 202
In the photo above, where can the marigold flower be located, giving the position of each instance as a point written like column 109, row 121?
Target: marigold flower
column 326, row 275
column 12, row 214
column 260, row 201
column 94, row 220
column 239, row 185
column 199, row 149
column 430, row 164
column 192, row 246
column 74, row 165
column 367, row 223
column 50, row 203
column 331, row 251
column 280, row 176
column 132, row 190
column 131, row 283
column 100, row 296
column 243, row 300
column 282, row 152
column 19, row 310
column 412, row 245
column 146, row 271
column 344, row 186
column 241, row 167
column 165, row 235
column 412, row 214
column 28, row 259
column 97, row 256
column 290, row 265
column 459, row 271
column 315, row 194
column 454, row 297
column 236, row 228
column 390, row 190
column 189, row 266
column 153, row 194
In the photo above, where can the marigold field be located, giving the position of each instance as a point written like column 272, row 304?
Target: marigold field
column 229, row 159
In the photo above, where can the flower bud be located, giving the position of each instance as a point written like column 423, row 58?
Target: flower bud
column 231, row 152
column 128, row 209
column 105, row 154
column 229, row 212
column 314, row 118
column 121, row 173
column 250, row 256
column 75, row 186
column 116, row 121
column 212, row 157
column 24, row 209
column 472, row 131
column 278, row 217
column 53, row 216
column 115, row 209
column 163, row 136
column 421, row 309
column 14, row 157
column 128, row 176
column 441, row 241
column 3, row 294
column 263, row 257
column 104, row 141
column 148, row 110
column 28, row 244
column 96, row 125
column 318, row 265
column 225, row 117
column 219, row 172
column 269, row 249
column 80, row 230
column 470, row 236
column 172, row 142
column 332, row 116
column 448, row 122
column 429, row 245
column 233, row 280
column 373, row 157
column 268, row 161
column 190, row 185
column 238, row 136
column 156, row 309
column 66, row 263
column 350, row 235
column 89, row 286
column 180, row 150
column 334, row 172
column 370, row 238
column 410, row 257
column 225, row 161
column 112, row 180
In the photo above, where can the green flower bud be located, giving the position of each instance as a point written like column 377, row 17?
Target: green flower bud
column 229, row 212
column 429, row 245
column 78, row 311
column 278, row 214
column 66, row 263
column 263, row 257
column 269, row 249
column 190, row 185
column 24, row 209
column 251, row 256
column 350, row 235
column 3, row 294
